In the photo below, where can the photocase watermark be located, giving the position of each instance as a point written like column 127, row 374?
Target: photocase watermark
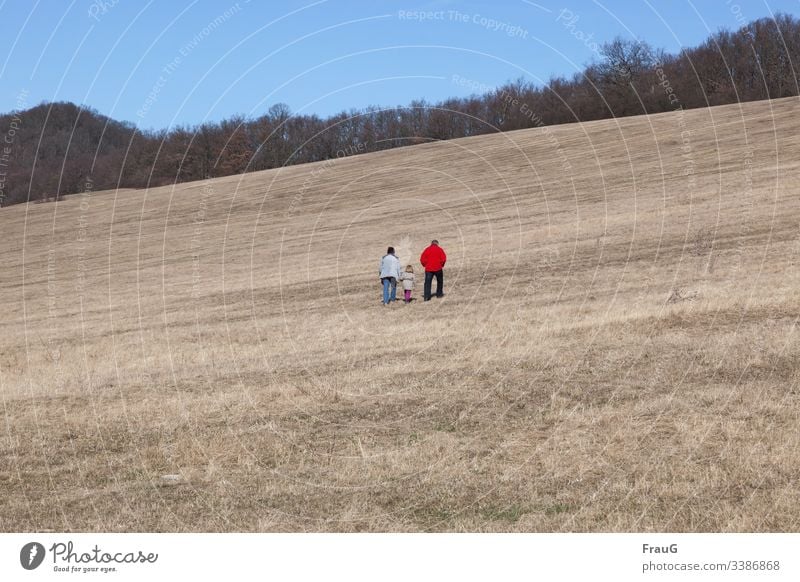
column 209, row 28
column 736, row 10
column 569, row 20
column 197, row 240
column 312, row 178
column 352, row 149
column 6, row 148
column 172, row 66
column 100, row 8
column 472, row 84
column 525, row 110
column 747, row 200
column 53, row 352
column 664, row 82
column 421, row 15
column 662, row 79
column 316, row 174
column 476, row 18
column 741, row 20
column 83, row 225
column 686, row 152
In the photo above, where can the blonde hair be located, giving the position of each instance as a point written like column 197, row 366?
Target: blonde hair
column 409, row 268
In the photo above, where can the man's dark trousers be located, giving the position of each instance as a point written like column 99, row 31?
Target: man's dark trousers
column 429, row 275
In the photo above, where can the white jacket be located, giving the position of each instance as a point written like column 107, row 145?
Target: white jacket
column 408, row 280
column 390, row 267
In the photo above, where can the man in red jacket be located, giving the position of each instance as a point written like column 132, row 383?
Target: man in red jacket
column 433, row 259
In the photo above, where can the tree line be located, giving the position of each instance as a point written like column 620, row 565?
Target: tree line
column 57, row 149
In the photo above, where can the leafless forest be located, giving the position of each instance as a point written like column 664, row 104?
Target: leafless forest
column 62, row 149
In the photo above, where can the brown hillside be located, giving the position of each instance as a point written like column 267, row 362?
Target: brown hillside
column 617, row 349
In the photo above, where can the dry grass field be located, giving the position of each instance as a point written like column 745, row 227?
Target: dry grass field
column 617, row 348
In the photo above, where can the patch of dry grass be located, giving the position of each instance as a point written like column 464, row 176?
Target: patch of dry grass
column 214, row 357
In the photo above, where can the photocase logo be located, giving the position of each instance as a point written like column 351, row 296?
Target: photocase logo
column 31, row 555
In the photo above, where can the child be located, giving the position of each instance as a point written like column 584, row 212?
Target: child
column 408, row 283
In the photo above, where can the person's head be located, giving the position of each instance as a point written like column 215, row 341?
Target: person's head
column 435, row 242
column 410, row 269
column 390, row 251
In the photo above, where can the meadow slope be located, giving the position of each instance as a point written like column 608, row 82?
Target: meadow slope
column 617, row 349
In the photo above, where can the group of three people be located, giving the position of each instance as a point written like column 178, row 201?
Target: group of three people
column 432, row 259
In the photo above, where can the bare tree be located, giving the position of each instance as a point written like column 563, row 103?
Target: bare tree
column 620, row 74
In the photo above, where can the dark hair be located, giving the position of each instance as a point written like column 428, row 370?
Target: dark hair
column 390, row 251
column 434, row 242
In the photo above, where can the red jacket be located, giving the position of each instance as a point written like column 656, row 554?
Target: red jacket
column 433, row 258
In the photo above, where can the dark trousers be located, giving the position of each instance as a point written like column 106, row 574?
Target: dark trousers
column 429, row 275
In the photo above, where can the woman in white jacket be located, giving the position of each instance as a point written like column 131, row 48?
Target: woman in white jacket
column 389, row 273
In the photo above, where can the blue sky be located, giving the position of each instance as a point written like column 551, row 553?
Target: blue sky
column 160, row 64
